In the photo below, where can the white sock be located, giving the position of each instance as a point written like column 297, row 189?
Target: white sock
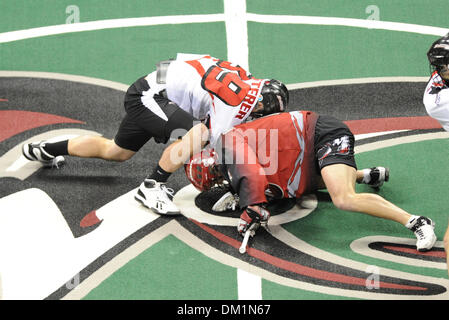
column 366, row 176
column 411, row 222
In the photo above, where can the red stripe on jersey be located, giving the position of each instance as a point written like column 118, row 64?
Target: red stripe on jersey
column 213, row 103
column 298, row 132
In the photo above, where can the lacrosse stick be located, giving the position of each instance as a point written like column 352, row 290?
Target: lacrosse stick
column 250, row 232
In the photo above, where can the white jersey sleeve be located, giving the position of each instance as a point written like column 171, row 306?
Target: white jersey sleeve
column 436, row 100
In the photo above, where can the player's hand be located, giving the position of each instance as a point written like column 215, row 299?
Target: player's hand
column 252, row 214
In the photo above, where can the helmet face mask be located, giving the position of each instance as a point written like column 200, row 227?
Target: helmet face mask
column 274, row 97
column 438, row 55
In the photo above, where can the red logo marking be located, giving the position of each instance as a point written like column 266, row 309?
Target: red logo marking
column 13, row 122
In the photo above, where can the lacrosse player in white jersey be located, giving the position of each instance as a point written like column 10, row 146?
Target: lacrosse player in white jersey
column 165, row 105
column 436, row 95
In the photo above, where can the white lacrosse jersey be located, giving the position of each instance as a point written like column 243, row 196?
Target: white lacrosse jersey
column 206, row 86
column 436, row 100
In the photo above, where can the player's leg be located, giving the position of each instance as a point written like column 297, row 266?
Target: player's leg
column 374, row 177
column 153, row 192
column 165, row 121
column 334, row 150
column 88, row 146
column 180, row 151
column 97, row 147
column 340, row 183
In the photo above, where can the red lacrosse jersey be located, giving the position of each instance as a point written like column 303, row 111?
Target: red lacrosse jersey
column 273, row 155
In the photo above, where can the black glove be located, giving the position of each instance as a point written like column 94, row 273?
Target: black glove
column 252, row 214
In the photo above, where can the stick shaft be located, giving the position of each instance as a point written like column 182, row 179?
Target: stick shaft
column 242, row 248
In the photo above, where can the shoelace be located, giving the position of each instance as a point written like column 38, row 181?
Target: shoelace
column 168, row 191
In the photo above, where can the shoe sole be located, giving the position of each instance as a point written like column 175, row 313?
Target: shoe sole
column 142, row 201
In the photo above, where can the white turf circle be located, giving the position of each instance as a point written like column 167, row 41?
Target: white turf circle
column 185, row 200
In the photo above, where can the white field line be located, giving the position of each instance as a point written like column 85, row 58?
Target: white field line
column 249, row 285
column 236, row 32
column 180, row 19
column 348, row 22
column 313, row 84
column 106, row 24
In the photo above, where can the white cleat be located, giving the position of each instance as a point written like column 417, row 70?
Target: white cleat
column 228, row 201
column 35, row 152
column 423, row 228
column 157, row 197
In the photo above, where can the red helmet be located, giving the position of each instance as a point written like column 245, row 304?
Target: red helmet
column 202, row 170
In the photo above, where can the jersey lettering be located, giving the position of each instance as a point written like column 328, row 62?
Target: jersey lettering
column 249, row 100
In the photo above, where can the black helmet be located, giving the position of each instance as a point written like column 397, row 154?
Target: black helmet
column 274, row 97
column 438, row 53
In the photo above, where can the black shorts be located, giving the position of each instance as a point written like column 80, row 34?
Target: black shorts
column 334, row 142
column 157, row 118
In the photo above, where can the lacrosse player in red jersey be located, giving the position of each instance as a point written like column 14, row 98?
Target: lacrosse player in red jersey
column 291, row 154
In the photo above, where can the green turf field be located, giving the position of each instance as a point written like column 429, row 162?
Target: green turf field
column 164, row 271
column 291, row 52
